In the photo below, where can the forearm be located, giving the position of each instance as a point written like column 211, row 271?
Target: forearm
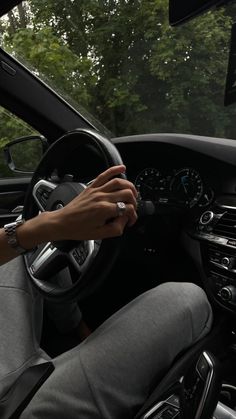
column 91, row 215
column 40, row 229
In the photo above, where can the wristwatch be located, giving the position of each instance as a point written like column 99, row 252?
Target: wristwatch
column 10, row 230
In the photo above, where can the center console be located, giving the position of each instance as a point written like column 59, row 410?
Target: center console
column 192, row 396
column 216, row 231
column 192, row 388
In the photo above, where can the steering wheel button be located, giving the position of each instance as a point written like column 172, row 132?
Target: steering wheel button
column 231, row 243
column 82, row 252
column 169, row 413
column 173, row 400
column 75, row 255
column 79, row 258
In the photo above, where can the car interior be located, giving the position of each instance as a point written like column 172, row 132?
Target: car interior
column 186, row 229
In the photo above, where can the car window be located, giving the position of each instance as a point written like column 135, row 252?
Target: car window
column 124, row 64
column 11, row 128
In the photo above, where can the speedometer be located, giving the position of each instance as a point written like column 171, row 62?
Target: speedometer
column 186, row 187
column 150, row 184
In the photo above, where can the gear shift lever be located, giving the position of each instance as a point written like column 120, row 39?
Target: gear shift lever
column 202, row 395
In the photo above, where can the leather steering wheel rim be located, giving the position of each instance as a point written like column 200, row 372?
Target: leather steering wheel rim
column 97, row 271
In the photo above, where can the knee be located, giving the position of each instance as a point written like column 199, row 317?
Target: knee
column 191, row 299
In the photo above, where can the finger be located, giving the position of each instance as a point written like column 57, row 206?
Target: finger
column 104, row 177
column 124, row 195
column 129, row 214
column 117, row 184
column 114, row 228
column 117, row 225
column 105, row 212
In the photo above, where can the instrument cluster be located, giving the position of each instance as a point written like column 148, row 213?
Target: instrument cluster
column 182, row 187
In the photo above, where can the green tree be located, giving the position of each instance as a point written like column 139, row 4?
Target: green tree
column 48, row 55
column 191, row 61
column 123, row 62
column 151, row 77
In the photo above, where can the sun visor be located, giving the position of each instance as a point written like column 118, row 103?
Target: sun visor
column 230, row 87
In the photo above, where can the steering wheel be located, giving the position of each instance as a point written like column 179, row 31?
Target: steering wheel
column 90, row 261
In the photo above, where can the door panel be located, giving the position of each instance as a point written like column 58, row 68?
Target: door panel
column 12, row 194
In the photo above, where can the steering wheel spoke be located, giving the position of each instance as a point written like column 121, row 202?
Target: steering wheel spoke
column 46, row 262
column 82, row 256
column 41, row 193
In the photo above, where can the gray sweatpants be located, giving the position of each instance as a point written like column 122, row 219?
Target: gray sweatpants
column 110, row 374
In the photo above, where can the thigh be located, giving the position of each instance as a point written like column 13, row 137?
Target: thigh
column 21, row 313
column 112, row 373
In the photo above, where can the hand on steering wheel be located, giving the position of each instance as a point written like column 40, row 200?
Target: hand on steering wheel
column 93, row 214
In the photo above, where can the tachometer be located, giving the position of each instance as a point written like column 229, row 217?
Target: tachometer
column 186, row 187
column 150, row 184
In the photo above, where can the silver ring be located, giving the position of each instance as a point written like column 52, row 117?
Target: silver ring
column 121, row 207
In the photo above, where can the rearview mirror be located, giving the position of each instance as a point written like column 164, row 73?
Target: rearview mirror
column 23, row 154
column 182, row 10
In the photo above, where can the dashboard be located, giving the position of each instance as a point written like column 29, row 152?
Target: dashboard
column 191, row 183
column 179, row 171
column 186, row 207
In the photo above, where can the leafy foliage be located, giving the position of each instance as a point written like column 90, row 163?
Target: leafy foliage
column 150, row 77
column 122, row 61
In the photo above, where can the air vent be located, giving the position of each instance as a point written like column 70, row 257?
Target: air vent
column 226, row 226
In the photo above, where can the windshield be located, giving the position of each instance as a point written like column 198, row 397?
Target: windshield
column 124, row 64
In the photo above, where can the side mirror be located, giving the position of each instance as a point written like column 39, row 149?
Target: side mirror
column 23, row 154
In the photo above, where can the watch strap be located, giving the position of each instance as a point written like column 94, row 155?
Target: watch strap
column 10, row 230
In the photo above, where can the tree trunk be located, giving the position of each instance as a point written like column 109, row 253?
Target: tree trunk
column 12, row 21
column 22, row 14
